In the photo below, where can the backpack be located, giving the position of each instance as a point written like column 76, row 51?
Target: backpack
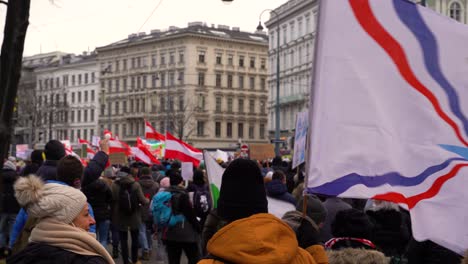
column 23, row 238
column 166, row 209
column 202, row 201
column 128, row 199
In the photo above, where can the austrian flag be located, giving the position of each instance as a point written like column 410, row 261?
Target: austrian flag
column 151, row 133
column 178, row 149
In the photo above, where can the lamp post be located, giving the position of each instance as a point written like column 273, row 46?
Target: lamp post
column 277, row 103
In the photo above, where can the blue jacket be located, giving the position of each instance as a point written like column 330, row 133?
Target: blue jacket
column 91, row 173
column 277, row 189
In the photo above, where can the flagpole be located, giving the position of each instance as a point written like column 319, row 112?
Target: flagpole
column 311, row 103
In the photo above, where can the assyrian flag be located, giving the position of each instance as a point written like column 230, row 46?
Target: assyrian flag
column 141, row 153
column 151, row 133
column 388, row 120
column 90, row 152
column 177, row 149
column 215, row 175
column 117, row 146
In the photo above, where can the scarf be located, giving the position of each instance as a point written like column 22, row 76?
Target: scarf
column 70, row 238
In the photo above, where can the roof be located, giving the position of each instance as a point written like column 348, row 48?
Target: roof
column 197, row 28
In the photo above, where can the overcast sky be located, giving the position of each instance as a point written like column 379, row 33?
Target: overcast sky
column 82, row 25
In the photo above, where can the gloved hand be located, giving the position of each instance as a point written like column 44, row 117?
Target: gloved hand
column 307, row 234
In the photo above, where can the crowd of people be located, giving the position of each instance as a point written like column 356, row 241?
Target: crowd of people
column 55, row 210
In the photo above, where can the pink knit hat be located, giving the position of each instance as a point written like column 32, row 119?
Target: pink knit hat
column 165, row 182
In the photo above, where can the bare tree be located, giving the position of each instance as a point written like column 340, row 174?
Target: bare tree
column 14, row 34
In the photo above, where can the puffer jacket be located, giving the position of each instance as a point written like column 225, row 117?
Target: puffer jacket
column 99, row 195
column 150, row 188
column 121, row 220
column 261, row 238
column 277, row 189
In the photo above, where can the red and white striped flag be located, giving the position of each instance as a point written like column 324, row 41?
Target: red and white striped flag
column 177, row 149
column 90, row 152
column 117, row 146
column 151, row 133
column 141, row 153
column 107, row 134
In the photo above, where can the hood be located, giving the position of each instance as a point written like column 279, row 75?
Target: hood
column 294, row 218
column 126, row 180
column 261, row 238
column 146, row 181
column 357, row 255
column 276, row 187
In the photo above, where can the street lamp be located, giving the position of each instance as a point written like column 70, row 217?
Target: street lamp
column 277, row 104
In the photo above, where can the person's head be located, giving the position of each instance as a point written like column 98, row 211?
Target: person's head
column 279, row 175
column 315, row 209
column 165, row 182
column 8, row 164
column 36, row 157
column 242, row 191
column 69, row 171
column 54, row 150
column 109, row 173
column 277, row 161
column 145, row 171
column 176, row 180
column 198, row 177
column 123, row 172
column 62, row 203
column 351, row 223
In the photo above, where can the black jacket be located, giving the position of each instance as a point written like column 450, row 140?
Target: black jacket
column 38, row 253
column 95, row 168
column 99, row 195
column 8, row 203
column 278, row 190
column 48, row 170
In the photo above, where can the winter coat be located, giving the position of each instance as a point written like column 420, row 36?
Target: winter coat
column 99, row 195
column 149, row 188
column 48, row 170
column 428, row 252
column 260, row 238
column 188, row 230
column 277, row 189
column 389, row 233
column 119, row 218
column 8, row 203
column 39, row 253
column 333, row 206
column 30, row 169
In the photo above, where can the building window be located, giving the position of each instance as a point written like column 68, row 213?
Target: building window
column 116, row 108
column 93, row 78
column 109, row 86
column 153, row 60
column 124, row 84
column 138, row 82
column 455, row 11
column 85, row 115
column 218, row 104
column 163, row 79
column 262, row 131
column 201, row 79
column 72, row 116
column 230, row 60
column 262, row 107
column 73, row 80
column 124, row 64
column 241, row 61
column 262, row 64
column 171, row 79
column 145, row 81
column 138, row 62
column 229, row 81
column 86, row 96
column 163, row 60
column 181, row 103
column 181, row 57
column 79, row 97
column 200, row 128
column 262, row 84
column 92, row 116
column 241, row 82
column 103, row 107
column 181, row 77
column 78, row 116
column 252, row 106
column 73, row 97
column 171, row 58
column 252, row 83
column 229, row 130
column 229, row 105
column 218, row 129
column 86, row 78
column 240, row 130
column 251, row 131
column 162, row 103
column 218, row 80
column 79, row 79
column 252, row 62
column 218, row 59
column 201, row 57
column 241, row 106
column 124, row 106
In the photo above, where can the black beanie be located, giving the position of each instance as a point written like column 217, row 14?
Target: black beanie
column 351, row 223
column 54, row 150
column 242, row 191
column 175, row 179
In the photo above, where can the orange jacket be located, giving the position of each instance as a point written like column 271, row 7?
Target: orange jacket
column 259, row 239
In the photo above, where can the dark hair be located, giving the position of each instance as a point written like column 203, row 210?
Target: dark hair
column 70, row 171
column 198, row 177
column 145, row 171
column 175, row 179
column 351, row 223
column 278, row 175
column 36, row 157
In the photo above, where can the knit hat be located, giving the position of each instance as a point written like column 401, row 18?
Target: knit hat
column 9, row 165
column 165, row 182
column 54, row 150
column 36, row 156
column 61, row 202
column 315, row 209
column 242, row 191
column 123, row 172
column 351, row 223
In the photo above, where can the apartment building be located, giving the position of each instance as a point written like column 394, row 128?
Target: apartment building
column 205, row 84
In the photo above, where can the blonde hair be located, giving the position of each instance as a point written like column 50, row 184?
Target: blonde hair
column 356, row 256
